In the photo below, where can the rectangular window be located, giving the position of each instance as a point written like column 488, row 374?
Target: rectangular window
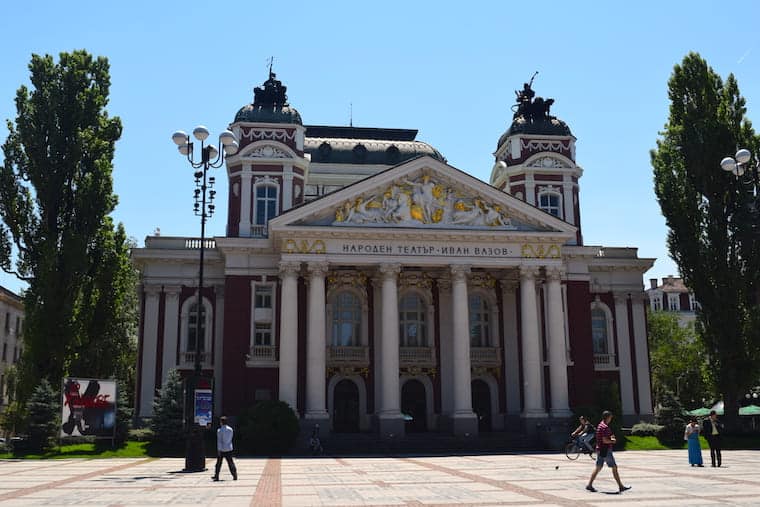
column 15, row 354
column 262, row 334
column 656, row 303
column 263, row 298
column 266, row 204
column 7, row 322
column 549, row 202
column 18, row 325
column 673, row 303
column 5, row 351
column 192, row 329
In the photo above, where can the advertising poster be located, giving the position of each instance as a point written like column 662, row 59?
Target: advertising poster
column 203, row 407
column 88, row 408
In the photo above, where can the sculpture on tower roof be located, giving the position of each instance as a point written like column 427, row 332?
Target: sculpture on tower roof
column 271, row 94
column 531, row 110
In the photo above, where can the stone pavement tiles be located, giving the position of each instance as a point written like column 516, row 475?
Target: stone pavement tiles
column 657, row 477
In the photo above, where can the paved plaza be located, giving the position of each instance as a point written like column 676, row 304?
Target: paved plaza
column 657, row 477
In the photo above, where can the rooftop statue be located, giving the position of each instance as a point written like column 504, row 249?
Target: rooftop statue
column 529, row 109
column 271, row 94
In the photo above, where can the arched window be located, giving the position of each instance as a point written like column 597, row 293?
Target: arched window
column 479, row 321
column 551, row 202
column 266, row 204
column 346, row 320
column 599, row 331
column 412, row 320
column 194, row 332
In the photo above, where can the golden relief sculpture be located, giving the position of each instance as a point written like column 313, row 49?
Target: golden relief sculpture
column 421, row 201
column 541, row 251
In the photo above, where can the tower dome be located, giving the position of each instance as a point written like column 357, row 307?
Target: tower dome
column 270, row 105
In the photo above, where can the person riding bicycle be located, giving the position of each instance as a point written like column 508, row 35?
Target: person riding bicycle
column 584, row 433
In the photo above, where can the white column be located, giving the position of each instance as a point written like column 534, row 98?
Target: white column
column 446, row 345
column 624, row 354
column 530, row 189
column 557, row 349
column 461, row 335
column 245, row 201
column 287, row 187
column 315, row 343
column 390, row 403
column 150, row 342
column 171, row 324
column 567, row 198
column 289, row 334
column 642, row 353
column 511, row 357
column 531, row 344
column 218, row 347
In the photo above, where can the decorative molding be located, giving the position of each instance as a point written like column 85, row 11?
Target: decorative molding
column 539, row 251
column 422, row 201
column 484, row 280
column 459, row 272
column 346, row 371
column 419, row 280
column 389, row 271
column 265, row 180
column 353, row 279
column 267, row 151
column 304, row 246
column 273, row 134
column 485, row 371
column 317, row 269
column 418, row 371
column 549, row 189
column 539, row 145
column 548, row 162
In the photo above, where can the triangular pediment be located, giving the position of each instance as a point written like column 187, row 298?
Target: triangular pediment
column 423, row 193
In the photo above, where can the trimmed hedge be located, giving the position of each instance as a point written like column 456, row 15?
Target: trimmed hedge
column 269, row 427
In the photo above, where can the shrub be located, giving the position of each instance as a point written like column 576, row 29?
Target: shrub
column 167, row 423
column 269, row 427
column 669, row 415
column 141, row 435
column 44, row 412
column 123, row 414
column 645, row 429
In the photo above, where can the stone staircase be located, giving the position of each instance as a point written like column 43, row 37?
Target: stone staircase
column 368, row 444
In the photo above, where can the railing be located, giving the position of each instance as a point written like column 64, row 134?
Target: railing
column 259, row 231
column 485, row 356
column 420, row 356
column 178, row 243
column 348, row 355
column 262, row 353
column 604, row 361
column 189, row 357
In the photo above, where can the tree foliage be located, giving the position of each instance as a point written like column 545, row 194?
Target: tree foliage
column 55, row 199
column 269, row 427
column 678, row 361
column 167, row 422
column 669, row 414
column 44, row 408
column 713, row 224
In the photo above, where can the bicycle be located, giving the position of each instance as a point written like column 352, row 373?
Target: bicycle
column 574, row 447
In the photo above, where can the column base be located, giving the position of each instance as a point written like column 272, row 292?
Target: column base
column 391, row 426
column 562, row 413
column 464, row 425
column 312, row 419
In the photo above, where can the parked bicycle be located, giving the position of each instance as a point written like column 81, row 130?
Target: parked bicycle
column 574, row 448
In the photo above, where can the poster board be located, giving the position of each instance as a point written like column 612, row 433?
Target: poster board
column 203, row 407
column 88, row 407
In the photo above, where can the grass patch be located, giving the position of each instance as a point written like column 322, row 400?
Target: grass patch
column 730, row 442
column 101, row 449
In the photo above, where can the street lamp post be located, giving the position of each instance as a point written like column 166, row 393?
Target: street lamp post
column 211, row 157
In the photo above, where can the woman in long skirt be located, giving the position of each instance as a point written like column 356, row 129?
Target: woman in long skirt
column 691, row 435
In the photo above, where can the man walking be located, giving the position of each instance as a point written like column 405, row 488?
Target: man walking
column 712, row 430
column 605, row 441
column 224, row 449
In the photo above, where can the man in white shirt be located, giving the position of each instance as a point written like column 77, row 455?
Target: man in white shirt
column 224, row 448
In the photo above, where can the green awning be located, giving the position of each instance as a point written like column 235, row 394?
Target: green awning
column 749, row 410
column 699, row 412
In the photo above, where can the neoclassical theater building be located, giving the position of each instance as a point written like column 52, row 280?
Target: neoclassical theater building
column 374, row 287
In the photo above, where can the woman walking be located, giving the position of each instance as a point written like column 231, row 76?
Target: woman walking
column 691, row 435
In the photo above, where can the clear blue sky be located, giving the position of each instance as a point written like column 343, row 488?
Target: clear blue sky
column 448, row 71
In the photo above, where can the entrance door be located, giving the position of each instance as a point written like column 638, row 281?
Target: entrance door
column 481, row 404
column 414, row 406
column 346, row 407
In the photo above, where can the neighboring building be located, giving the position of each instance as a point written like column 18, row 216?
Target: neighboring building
column 672, row 296
column 12, row 321
column 366, row 282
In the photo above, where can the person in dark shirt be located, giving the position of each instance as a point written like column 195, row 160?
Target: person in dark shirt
column 712, row 429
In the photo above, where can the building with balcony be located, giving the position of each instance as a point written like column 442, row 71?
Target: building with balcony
column 374, row 287
column 12, row 321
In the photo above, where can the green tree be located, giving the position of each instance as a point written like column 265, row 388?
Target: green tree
column 44, row 408
column 168, row 419
column 669, row 414
column 55, row 199
column 678, row 361
column 712, row 235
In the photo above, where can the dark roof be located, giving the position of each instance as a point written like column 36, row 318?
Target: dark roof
column 361, row 133
column 365, row 151
column 549, row 126
column 10, row 294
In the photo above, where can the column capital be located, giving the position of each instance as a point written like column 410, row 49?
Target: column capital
column 389, row 271
column 620, row 297
column 172, row 290
column 289, row 268
column 459, row 272
column 555, row 273
column 152, row 290
column 318, row 268
column 528, row 272
column 639, row 297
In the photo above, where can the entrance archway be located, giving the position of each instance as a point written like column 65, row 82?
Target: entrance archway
column 481, row 404
column 346, row 407
column 414, row 406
